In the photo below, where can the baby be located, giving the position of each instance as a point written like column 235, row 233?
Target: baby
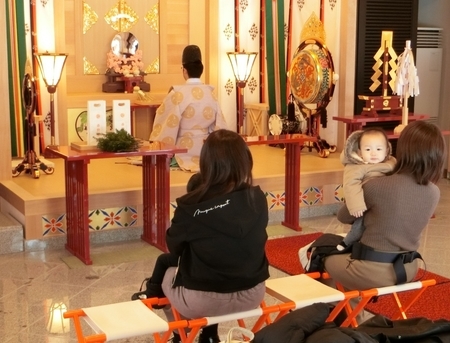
column 367, row 154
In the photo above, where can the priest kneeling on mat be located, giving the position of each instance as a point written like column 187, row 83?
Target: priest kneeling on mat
column 188, row 113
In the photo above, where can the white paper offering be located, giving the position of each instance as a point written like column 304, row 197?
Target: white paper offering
column 121, row 115
column 96, row 120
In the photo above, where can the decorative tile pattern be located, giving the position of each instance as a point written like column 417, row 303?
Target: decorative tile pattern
column 53, row 226
column 112, row 218
column 339, row 193
column 311, row 196
column 276, row 200
column 102, row 219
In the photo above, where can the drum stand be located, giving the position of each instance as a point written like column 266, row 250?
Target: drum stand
column 322, row 147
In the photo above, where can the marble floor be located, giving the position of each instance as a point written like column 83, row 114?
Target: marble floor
column 34, row 283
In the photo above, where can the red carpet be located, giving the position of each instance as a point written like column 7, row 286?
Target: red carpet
column 433, row 304
column 282, row 253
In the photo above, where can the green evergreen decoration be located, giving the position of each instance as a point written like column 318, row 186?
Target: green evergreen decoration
column 119, row 141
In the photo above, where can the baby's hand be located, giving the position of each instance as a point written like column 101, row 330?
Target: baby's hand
column 357, row 214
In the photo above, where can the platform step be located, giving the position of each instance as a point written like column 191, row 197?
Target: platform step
column 11, row 235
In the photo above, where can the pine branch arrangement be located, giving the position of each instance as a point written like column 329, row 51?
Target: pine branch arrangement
column 119, row 141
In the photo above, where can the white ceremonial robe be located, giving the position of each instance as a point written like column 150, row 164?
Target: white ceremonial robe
column 185, row 118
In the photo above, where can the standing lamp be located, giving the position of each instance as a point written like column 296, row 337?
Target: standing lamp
column 51, row 66
column 242, row 63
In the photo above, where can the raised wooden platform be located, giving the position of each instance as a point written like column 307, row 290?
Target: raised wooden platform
column 114, row 183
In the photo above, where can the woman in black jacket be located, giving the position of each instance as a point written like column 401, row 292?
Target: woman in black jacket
column 218, row 233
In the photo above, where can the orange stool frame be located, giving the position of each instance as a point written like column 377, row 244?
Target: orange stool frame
column 307, row 291
column 95, row 317
column 194, row 325
column 417, row 286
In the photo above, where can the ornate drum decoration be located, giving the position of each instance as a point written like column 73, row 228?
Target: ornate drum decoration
column 312, row 80
column 311, row 76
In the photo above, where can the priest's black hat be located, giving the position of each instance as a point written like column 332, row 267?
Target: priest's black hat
column 191, row 54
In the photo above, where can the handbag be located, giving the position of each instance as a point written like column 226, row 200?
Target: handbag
column 238, row 329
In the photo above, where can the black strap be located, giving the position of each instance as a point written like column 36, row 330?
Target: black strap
column 363, row 252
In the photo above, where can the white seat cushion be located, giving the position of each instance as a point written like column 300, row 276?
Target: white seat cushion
column 303, row 290
column 122, row 320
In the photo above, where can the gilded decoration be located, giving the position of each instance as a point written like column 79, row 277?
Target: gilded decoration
column 89, row 17
column 313, row 29
column 153, row 67
column 386, row 44
column 152, row 18
column 121, row 17
column 104, row 20
column 89, row 68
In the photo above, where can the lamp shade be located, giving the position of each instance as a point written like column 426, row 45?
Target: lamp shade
column 51, row 66
column 242, row 63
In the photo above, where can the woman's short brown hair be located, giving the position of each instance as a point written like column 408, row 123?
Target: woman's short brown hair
column 421, row 152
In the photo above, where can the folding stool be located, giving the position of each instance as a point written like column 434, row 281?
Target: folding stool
column 123, row 320
column 302, row 290
column 417, row 286
column 262, row 313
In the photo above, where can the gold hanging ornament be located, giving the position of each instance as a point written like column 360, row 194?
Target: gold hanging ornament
column 121, row 17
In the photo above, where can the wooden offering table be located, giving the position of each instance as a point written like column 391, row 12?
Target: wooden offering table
column 293, row 143
column 156, row 193
column 142, row 117
column 385, row 121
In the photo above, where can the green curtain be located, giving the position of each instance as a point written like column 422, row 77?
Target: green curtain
column 16, row 43
column 276, row 55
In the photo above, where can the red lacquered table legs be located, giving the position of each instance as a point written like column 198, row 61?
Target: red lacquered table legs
column 77, row 209
column 156, row 202
column 292, row 187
